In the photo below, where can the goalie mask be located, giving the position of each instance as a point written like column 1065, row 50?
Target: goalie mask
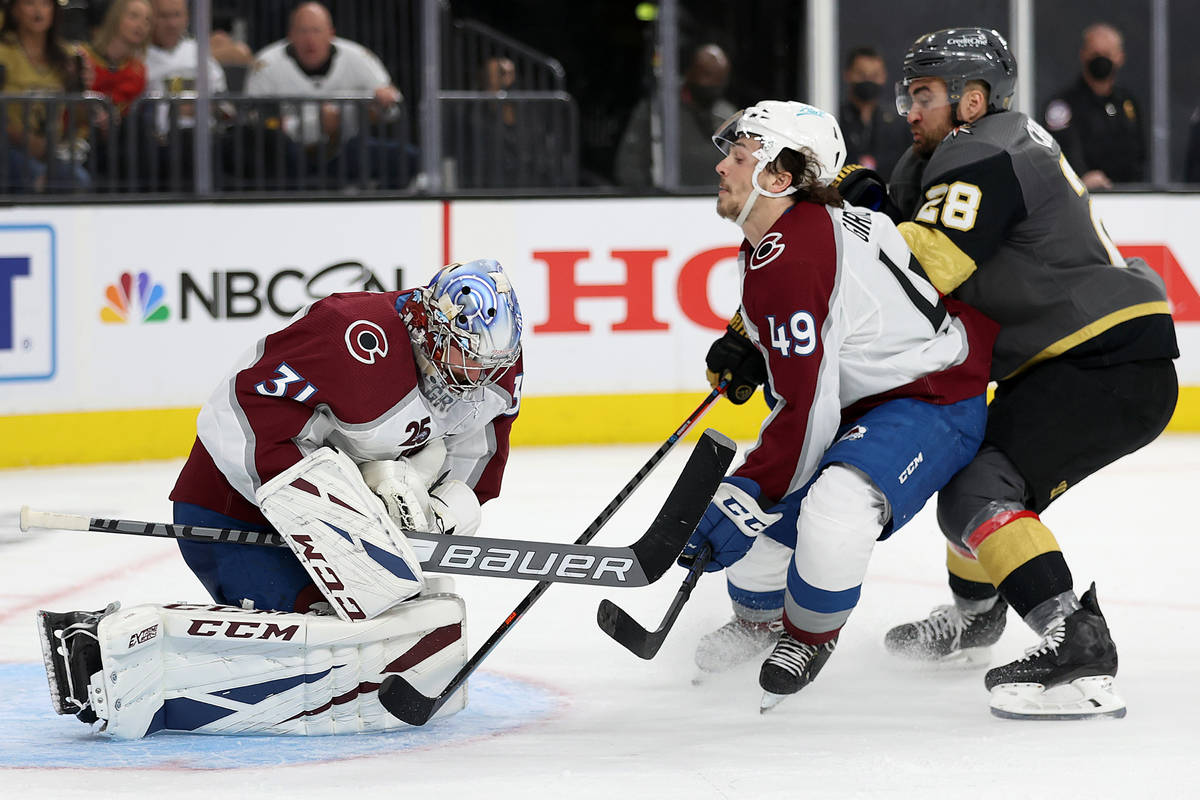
column 784, row 124
column 466, row 323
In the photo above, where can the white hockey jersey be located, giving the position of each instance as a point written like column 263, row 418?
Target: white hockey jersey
column 846, row 320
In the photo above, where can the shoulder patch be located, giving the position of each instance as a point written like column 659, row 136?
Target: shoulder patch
column 365, row 340
column 769, row 249
column 1058, row 115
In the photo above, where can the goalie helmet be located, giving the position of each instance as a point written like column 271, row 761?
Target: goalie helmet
column 959, row 55
column 466, row 323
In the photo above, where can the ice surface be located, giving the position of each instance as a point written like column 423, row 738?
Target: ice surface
column 561, row 710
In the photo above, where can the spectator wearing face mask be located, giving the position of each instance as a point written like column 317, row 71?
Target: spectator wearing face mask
column 875, row 136
column 702, row 108
column 1098, row 123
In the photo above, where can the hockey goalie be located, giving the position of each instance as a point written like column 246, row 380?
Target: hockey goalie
column 368, row 415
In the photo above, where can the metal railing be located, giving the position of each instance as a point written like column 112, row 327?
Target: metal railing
column 284, row 144
column 510, row 140
column 472, row 43
column 50, row 140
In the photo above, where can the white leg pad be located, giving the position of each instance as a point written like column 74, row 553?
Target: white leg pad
column 342, row 534
column 226, row 670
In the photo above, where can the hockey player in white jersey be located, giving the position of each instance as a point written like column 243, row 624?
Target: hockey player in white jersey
column 879, row 391
column 368, row 415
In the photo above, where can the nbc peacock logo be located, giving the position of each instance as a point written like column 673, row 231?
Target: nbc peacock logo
column 133, row 299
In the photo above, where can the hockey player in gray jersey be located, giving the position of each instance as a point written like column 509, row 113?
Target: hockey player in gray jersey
column 1083, row 365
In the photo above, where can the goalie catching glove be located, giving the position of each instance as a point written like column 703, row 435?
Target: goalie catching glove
column 735, row 359
column 417, row 495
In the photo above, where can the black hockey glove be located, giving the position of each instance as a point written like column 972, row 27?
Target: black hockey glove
column 735, row 359
column 864, row 187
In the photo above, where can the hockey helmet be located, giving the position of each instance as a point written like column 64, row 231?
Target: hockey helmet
column 959, row 55
column 780, row 124
column 466, row 323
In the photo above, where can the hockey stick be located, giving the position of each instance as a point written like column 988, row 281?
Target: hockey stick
column 639, row 564
column 690, row 497
column 617, row 623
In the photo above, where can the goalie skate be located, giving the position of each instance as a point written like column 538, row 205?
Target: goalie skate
column 734, row 643
column 71, row 653
column 950, row 636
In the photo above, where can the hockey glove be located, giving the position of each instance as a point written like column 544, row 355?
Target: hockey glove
column 865, row 188
column 730, row 524
column 734, row 358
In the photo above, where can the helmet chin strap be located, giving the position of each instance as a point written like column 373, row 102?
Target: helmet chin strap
column 756, row 190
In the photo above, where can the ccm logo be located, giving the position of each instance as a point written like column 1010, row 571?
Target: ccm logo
column 325, row 574
column 495, row 559
column 141, row 637
column 912, row 467
column 242, row 629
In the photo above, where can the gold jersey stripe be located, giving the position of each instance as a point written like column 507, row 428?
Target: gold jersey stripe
column 1093, row 330
column 1007, row 548
column 946, row 265
column 963, row 567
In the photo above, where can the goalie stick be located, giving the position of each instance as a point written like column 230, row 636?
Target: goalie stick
column 617, row 623
column 686, row 504
column 639, row 564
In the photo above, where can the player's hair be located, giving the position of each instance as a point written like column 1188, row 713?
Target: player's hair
column 805, row 171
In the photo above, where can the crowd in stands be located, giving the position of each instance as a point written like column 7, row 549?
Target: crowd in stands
column 135, row 128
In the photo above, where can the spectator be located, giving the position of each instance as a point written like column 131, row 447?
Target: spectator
column 1191, row 165
column 504, row 144
column 702, row 108
column 1096, row 122
column 172, row 56
column 118, row 51
column 875, row 136
column 171, row 68
column 35, row 60
column 313, row 62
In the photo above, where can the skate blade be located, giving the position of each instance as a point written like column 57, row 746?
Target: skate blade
column 50, row 649
column 770, row 700
column 966, row 659
column 1092, row 697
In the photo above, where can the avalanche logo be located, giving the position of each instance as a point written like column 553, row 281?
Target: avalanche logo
column 142, row 302
column 769, row 249
column 365, row 340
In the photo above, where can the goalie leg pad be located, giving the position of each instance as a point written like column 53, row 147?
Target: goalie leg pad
column 225, row 670
column 342, row 535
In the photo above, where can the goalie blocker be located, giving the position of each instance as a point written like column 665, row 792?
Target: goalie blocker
column 225, row 670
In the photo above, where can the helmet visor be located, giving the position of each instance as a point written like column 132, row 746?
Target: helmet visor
column 923, row 97
column 727, row 135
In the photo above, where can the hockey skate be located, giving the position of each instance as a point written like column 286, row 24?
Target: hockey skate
column 950, row 636
column 791, row 666
column 735, row 642
column 72, row 655
column 1068, row 675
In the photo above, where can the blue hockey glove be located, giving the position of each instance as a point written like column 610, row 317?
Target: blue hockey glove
column 730, row 524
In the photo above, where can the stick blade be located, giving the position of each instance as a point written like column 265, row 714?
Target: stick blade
column 405, row 703
column 626, row 631
column 685, row 505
